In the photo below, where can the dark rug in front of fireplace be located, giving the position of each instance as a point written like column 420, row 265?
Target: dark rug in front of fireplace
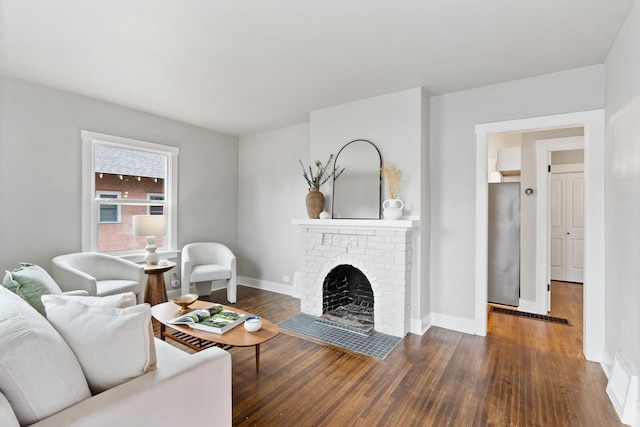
column 375, row 344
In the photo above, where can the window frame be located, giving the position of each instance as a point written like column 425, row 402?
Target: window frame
column 90, row 201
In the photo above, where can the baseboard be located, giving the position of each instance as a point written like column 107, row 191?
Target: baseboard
column 607, row 363
column 454, row 323
column 266, row 285
column 527, row 306
column 622, row 389
column 420, row 327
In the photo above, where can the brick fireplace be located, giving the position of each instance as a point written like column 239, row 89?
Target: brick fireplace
column 381, row 250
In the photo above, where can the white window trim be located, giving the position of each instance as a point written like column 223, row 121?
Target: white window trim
column 90, row 209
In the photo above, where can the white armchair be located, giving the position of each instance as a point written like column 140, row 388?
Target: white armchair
column 98, row 274
column 204, row 262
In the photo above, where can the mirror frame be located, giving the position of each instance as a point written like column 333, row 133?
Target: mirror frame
column 336, row 165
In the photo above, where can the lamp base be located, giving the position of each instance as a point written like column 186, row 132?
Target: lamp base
column 151, row 257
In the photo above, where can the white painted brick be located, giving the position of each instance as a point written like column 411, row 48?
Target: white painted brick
column 383, row 255
column 385, row 232
column 365, row 232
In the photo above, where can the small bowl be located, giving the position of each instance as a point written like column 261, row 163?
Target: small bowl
column 253, row 323
column 184, row 301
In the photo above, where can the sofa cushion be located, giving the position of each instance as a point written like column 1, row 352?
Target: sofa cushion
column 39, row 374
column 113, row 345
column 30, row 282
column 127, row 299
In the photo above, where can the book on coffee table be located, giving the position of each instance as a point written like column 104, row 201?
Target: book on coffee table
column 212, row 319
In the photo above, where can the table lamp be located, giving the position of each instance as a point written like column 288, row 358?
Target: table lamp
column 150, row 226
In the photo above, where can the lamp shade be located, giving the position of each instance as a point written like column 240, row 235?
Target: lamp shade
column 149, row 225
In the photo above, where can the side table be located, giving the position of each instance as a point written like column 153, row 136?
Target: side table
column 156, row 291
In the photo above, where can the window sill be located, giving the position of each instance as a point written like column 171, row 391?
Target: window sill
column 139, row 257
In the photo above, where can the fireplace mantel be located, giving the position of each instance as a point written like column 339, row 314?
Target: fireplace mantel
column 359, row 223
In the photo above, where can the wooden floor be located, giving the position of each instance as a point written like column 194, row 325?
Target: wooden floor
column 525, row 372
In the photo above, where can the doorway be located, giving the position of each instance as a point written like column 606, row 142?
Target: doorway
column 593, row 123
column 544, row 218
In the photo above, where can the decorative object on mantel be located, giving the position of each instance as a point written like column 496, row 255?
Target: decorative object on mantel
column 392, row 208
column 324, row 215
column 315, row 199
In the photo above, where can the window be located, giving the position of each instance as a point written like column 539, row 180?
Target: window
column 155, row 209
column 108, row 213
column 122, row 178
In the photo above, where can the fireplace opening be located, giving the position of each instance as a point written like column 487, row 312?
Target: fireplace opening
column 347, row 299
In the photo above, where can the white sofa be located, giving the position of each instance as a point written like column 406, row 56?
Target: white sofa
column 37, row 377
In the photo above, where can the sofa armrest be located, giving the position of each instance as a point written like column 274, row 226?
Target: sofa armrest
column 7, row 416
column 170, row 395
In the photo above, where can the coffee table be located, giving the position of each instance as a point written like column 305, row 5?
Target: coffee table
column 200, row 340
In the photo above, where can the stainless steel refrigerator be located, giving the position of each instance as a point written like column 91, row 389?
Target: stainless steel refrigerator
column 504, row 243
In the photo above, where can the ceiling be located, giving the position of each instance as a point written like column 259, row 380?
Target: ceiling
column 241, row 66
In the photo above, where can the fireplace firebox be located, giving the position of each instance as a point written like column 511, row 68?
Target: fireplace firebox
column 347, row 298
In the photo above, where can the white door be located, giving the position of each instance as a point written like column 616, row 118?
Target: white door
column 557, row 222
column 567, row 227
column 575, row 227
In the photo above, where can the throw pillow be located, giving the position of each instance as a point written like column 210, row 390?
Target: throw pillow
column 127, row 299
column 30, row 282
column 39, row 374
column 113, row 345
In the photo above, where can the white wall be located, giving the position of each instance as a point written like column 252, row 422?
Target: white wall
column 392, row 122
column 397, row 124
column 40, row 170
column 453, row 120
column 272, row 193
column 622, row 308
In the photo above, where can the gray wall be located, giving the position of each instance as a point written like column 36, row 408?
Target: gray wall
column 622, row 269
column 40, row 170
column 272, row 193
column 453, row 120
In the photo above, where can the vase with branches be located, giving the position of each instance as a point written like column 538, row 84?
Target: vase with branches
column 315, row 199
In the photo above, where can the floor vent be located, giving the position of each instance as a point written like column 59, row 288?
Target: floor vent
column 623, row 389
column 552, row 319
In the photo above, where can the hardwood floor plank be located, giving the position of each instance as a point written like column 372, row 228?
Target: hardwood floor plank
column 525, row 372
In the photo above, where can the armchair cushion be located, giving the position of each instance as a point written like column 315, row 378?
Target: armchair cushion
column 30, row 282
column 39, row 374
column 113, row 345
column 202, row 273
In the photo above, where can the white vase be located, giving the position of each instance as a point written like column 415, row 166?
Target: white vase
column 392, row 209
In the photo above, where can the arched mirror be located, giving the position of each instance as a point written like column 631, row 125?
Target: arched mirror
column 356, row 193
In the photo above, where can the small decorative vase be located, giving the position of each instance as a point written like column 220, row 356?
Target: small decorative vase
column 392, row 209
column 315, row 202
